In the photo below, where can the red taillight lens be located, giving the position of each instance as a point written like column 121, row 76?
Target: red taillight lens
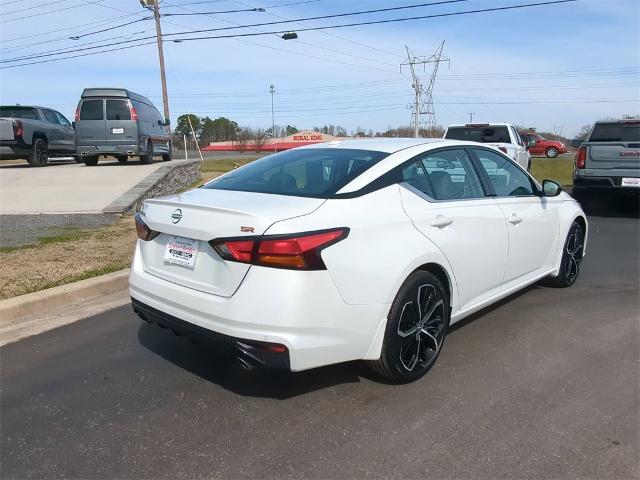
column 134, row 114
column 18, row 129
column 296, row 252
column 77, row 114
column 581, row 157
column 503, row 149
column 143, row 230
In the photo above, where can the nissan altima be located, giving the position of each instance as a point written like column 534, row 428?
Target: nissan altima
column 355, row 250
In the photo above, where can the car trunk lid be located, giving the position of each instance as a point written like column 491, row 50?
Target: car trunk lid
column 206, row 214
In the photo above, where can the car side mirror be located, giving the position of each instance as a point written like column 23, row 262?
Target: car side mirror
column 576, row 142
column 551, row 188
column 531, row 143
column 161, row 123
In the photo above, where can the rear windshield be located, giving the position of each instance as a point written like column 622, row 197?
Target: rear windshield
column 479, row 134
column 316, row 172
column 91, row 110
column 19, row 112
column 616, row 132
column 118, row 110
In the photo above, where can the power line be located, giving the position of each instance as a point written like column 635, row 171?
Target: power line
column 51, row 11
column 34, row 7
column 371, row 22
column 213, row 13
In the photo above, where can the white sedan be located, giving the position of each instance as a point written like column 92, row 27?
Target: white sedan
column 365, row 249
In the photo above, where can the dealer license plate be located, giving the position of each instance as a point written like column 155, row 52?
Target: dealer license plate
column 181, row 251
column 117, row 130
column 631, row 182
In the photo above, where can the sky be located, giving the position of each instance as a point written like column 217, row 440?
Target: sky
column 554, row 67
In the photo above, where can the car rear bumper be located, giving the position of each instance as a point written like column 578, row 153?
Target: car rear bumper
column 12, row 149
column 603, row 182
column 301, row 310
column 127, row 149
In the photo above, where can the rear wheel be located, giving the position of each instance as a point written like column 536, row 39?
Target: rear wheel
column 122, row 158
column 571, row 258
column 148, row 158
column 91, row 160
column 551, row 152
column 39, row 156
column 416, row 328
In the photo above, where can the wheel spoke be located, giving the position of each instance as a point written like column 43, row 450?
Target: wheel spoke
column 410, row 352
column 408, row 324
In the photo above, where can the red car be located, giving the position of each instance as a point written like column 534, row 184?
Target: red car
column 549, row 148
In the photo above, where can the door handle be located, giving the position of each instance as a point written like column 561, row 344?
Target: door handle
column 441, row 221
column 514, row 219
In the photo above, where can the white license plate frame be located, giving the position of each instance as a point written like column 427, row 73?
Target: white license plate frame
column 181, row 251
column 630, row 182
column 117, row 131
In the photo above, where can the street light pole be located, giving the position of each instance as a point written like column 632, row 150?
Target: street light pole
column 471, row 114
column 153, row 5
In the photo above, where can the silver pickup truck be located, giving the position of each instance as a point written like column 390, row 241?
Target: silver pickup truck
column 34, row 133
column 609, row 158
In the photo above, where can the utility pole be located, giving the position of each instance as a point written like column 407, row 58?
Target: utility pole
column 155, row 8
column 272, row 90
column 423, row 96
column 471, row 114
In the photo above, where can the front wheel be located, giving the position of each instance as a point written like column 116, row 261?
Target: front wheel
column 551, row 152
column 571, row 258
column 166, row 157
column 122, row 158
column 90, row 160
column 416, row 328
column 39, row 156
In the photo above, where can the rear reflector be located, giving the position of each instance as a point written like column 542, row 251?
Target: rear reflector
column 143, row 230
column 581, row 157
column 299, row 251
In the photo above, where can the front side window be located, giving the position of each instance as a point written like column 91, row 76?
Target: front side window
column 313, row 172
column 118, row 110
column 507, row 179
column 91, row 110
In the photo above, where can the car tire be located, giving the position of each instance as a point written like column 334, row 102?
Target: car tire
column 39, row 156
column 571, row 258
column 90, row 160
column 166, row 157
column 77, row 158
column 551, row 152
column 122, row 158
column 416, row 327
column 148, row 158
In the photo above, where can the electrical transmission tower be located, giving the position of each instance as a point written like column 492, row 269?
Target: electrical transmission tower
column 422, row 112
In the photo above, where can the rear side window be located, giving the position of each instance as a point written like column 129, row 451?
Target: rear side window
column 50, row 116
column 479, row 134
column 62, row 120
column 616, row 132
column 317, row 173
column 19, row 112
column 91, row 110
column 118, row 110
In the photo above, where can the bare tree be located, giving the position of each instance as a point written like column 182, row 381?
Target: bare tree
column 259, row 138
column 244, row 136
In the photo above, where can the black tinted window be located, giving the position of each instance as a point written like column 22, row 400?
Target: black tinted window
column 50, row 116
column 62, row 119
column 507, row 178
column 318, row 172
column 479, row 134
column 91, row 110
column 118, row 110
column 616, row 132
column 19, row 112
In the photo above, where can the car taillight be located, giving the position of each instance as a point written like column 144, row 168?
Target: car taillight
column 581, row 157
column 77, row 113
column 297, row 251
column 503, row 149
column 143, row 230
column 18, row 129
column 133, row 112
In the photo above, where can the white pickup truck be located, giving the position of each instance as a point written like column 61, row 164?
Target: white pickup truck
column 503, row 136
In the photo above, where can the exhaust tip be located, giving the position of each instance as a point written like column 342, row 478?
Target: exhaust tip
column 245, row 363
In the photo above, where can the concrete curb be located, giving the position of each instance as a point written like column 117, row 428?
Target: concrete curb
column 167, row 179
column 39, row 303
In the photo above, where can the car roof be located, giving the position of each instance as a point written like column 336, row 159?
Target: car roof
column 488, row 124
column 388, row 145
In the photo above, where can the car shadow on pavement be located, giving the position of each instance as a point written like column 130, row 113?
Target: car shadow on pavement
column 610, row 204
column 222, row 369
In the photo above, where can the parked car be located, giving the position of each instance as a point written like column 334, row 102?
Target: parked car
column 363, row 249
column 34, row 133
column 541, row 146
column 120, row 123
column 609, row 158
column 502, row 136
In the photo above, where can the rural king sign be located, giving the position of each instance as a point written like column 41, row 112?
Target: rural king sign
column 308, row 138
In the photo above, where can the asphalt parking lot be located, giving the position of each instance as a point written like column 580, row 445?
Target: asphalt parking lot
column 542, row 385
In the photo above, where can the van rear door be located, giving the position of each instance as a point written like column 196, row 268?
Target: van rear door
column 121, row 128
column 90, row 127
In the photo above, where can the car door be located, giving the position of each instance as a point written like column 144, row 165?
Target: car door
column 532, row 220
column 53, row 130
column 121, row 129
column 90, row 124
column 444, row 197
column 68, row 133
